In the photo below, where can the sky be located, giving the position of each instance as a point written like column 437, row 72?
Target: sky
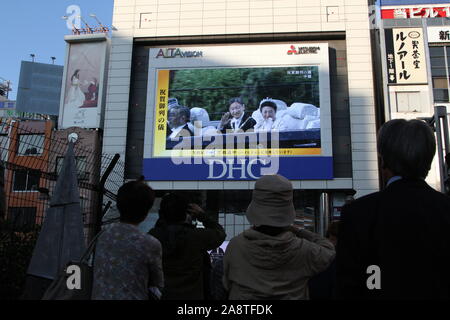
column 36, row 27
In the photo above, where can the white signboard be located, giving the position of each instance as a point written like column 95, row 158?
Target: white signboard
column 406, row 56
column 439, row 34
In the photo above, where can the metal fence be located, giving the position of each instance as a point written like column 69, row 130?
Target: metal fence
column 30, row 162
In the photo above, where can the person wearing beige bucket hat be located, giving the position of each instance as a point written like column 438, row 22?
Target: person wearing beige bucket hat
column 273, row 259
column 272, row 202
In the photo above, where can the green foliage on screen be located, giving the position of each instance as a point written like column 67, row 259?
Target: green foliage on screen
column 212, row 88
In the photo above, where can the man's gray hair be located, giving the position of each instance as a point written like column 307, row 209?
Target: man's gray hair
column 182, row 110
column 406, row 147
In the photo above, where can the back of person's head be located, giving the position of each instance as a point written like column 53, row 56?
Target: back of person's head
column 406, row 147
column 134, row 201
column 272, row 203
column 173, row 208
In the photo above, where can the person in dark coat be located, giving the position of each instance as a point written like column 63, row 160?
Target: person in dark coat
column 236, row 120
column 186, row 263
column 323, row 285
column 395, row 244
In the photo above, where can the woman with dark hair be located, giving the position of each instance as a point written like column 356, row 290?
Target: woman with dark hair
column 127, row 262
column 268, row 109
column 185, row 259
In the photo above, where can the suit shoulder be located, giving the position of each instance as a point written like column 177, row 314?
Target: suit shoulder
column 364, row 201
column 439, row 196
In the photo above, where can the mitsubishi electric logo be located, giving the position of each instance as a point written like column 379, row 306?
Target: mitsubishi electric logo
column 176, row 52
column 303, row 50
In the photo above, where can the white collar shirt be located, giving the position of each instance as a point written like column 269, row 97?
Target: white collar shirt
column 236, row 122
column 176, row 131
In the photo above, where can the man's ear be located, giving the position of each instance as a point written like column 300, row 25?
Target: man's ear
column 382, row 164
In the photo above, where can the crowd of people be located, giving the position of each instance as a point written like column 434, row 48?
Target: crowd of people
column 401, row 232
column 271, row 115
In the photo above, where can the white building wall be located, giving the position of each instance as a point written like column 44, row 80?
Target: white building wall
column 210, row 17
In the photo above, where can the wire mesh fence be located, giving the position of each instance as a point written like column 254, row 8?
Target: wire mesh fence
column 31, row 158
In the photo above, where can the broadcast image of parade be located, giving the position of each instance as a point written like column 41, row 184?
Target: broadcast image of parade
column 245, row 101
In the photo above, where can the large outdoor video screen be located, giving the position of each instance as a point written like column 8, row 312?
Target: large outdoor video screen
column 205, row 95
column 227, row 112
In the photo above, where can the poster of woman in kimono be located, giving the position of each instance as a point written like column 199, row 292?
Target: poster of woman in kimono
column 81, row 106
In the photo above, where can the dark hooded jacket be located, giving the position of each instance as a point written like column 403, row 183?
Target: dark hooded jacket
column 258, row 266
column 184, row 249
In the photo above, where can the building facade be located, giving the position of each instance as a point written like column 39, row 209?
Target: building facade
column 416, row 98
column 330, row 37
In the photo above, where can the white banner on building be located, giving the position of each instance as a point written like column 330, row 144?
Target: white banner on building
column 438, row 34
column 83, row 85
column 409, row 56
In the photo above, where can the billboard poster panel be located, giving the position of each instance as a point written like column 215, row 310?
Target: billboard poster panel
column 237, row 112
column 405, row 55
column 81, row 106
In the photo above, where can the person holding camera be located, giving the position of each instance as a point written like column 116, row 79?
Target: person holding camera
column 185, row 260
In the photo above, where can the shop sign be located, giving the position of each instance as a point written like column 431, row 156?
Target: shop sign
column 405, row 55
column 416, row 12
column 303, row 50
column 177, row 52
column 439, row 34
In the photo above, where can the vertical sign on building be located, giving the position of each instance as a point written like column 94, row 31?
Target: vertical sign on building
column 390, row 57
column 162, row 99
column 405, row 55
column 83, row 86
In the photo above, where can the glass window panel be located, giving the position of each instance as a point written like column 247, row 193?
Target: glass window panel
column 448, row 58
column 439, row 72
column 20, row 180
column 26, row 180
column 440, row 95
column 436, row 52
column 31, row 144
column 440, row 83
column 438, row 62
column 33, row 180
column 82, row 174
column 59, row 163
column 3, row 147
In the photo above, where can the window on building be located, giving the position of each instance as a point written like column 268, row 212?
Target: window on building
column 31, row 144
column 22, row 217
column 408, row 102
column 4, row 141
column 26, row 180
column 440, row 70
column 81, row 163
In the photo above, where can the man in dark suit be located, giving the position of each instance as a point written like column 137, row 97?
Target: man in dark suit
column 395, row 244
column 178, row 118
column 236, row 120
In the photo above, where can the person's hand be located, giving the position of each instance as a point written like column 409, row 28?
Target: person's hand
column 225, row 119
column 195, row 211
column 294, row 229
